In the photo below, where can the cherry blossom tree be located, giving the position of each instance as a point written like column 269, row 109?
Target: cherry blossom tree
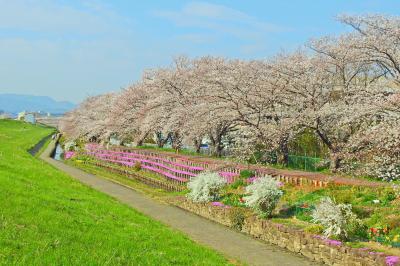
column 128, row 113
column 345, row 89
column 378, row 39
column 90, row 121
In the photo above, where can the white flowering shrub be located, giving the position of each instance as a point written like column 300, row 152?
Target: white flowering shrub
column 387, row 172
column 264, row 194
column 205, row 187
column 335, row 218
column 69, row 145
column 396, row 190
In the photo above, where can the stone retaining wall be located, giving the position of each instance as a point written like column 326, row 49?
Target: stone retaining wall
column 330, row 252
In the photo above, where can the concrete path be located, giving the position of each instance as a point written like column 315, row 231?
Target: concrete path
column 228, row 242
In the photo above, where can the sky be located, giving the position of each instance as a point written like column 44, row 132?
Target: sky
column 69, row 50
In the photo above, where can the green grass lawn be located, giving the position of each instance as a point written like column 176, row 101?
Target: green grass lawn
column 47, row 218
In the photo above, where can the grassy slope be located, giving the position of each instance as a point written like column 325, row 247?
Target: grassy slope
column 47, row 218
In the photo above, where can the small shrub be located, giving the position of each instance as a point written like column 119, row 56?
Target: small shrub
column 388, row 195
column 303, row 212
column 237, row 216
column 237, row 183
column 137, row 166
column 342, row 196
column 264, row 194
column 205, row 187
column 314, row 229
column 247, row 173
column 358, row 230
column 233, row 199
column 337, row 219
column 362, row 212
column 393, row 221
column 396, row 190
column 69, row 146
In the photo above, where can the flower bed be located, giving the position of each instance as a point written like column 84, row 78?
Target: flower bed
column 152, row 163
column 198, row 164
column 375, row 206
column 153, row 182
column 372, row 206
column 315, row 247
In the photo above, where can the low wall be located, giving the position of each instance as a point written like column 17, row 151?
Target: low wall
column 330, row 252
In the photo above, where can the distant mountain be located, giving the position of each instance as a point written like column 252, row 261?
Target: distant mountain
column 15, row 103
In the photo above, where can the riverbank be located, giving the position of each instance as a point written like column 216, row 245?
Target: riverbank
column 48, row 218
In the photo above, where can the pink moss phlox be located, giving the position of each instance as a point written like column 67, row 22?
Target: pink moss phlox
column 251, row 179
column 375, row 253
column 137, row 156
column 392, row 260
column 69, row 155
column 328, row 241
column 228, row 174
column 333, row 242
column 217, row 204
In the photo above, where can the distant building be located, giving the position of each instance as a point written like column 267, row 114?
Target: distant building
column 5, row 116
column 29, row 117
column 21, row 116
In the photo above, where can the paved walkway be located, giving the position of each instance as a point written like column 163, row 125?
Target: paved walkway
column 228, row 242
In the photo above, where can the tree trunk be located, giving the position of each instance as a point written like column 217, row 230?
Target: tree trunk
column 160, row 144
column 217, row 146
column 140, row 142
column 333, row 150
column 283, row 152
column 218, row 150
column 335, row 161
column 176, row 141
column 197, row 145
column 160, row 140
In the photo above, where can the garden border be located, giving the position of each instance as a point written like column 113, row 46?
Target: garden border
column 148, row 181
column 331, row 252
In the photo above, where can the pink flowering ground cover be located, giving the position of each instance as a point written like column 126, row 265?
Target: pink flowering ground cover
column 69, row 155
column 219, row 204
column 392, row 260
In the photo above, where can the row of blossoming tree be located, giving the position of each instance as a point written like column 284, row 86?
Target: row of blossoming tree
column 344, row 89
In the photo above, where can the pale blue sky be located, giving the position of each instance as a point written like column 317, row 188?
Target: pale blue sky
column 71, row 49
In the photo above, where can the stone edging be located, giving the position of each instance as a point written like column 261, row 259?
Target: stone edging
column 314, row 247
